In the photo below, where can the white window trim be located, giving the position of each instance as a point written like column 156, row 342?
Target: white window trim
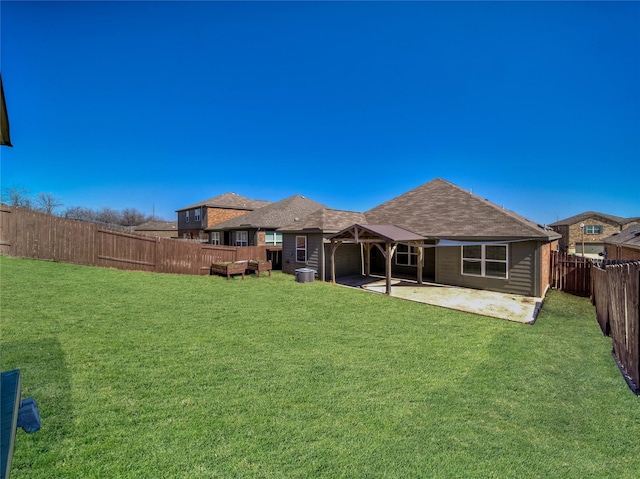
column 215, row 237
column 186, row 213
column 412, row 251
column 275, row 241
column 239, row 236
column 301, row 249
column 483, row 261
column 587, row 227
column 196, row 215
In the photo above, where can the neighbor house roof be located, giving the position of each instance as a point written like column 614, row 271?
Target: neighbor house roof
column 158, row 226
column 273, row 215
column 325, row 220
column 629, row 237
column 572, row 220
column 439, row 209
column 230, row 201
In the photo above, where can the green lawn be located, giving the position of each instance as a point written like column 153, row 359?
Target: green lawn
column 166, row 376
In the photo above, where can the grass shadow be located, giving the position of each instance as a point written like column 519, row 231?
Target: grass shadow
column 46, row 378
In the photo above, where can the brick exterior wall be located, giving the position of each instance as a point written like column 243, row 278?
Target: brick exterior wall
column 573, row 234
column 219, row 215
column 545, row 267
column 623, row 253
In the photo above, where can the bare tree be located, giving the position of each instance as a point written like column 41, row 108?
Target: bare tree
column 47, row 203
column 132, row 217
column 79, row 213
column 107, row 215
column 17, row 195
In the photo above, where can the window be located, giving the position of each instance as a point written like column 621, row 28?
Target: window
column 272, row 238
column 301, row 249
column 593, row 229
column 406, row 255
column 196, row 216
column 186, row 214
column 485, row 260
column 215, row 237
column 242, row 238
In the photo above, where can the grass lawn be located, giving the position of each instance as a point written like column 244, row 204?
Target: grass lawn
column 165, row 376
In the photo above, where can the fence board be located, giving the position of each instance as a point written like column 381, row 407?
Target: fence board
column 600, row 298
column 624, row 292
column 30, row 234
column 571, row 273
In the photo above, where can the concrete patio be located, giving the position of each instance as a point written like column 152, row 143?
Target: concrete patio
column 512, row 307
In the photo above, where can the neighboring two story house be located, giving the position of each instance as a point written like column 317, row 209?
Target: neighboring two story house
column 584, row 234
column 193, row 220
column 258, row 228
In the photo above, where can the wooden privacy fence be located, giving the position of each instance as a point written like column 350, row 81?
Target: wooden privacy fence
column 616, row 295
column 29, row 234
column 571, row 273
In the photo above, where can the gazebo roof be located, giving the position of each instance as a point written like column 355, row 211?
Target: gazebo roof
column 376, row 234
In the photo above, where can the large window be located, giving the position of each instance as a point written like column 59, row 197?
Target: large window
column 406, row 255
column 485, row 260
column 196, row 216
column 593, row 229
column 215, row 237
column 273, row 238
column 301, row 249
column 242, row 238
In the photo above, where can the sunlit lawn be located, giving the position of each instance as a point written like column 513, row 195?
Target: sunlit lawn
column 166, row 376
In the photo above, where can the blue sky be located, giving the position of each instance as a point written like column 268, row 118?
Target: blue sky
column 158, row 105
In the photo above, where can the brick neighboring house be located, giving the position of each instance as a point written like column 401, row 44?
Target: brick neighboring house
column 193, row 220
column 624, row 245
column 589, row 228
column 161, row 229
column 258, row 228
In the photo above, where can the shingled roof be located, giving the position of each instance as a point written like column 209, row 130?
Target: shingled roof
column 572, row 220
column 439, row 209
column 231, row 201
column 273, row 215
column 325, row 220
column 629, row 237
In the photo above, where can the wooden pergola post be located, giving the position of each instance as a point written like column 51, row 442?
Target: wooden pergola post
column 420, row 254
column 388, row 267
column 367, row 259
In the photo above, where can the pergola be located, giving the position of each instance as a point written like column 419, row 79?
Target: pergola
column 384, row 237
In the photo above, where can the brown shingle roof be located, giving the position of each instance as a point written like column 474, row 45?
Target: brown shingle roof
column 158, row 226
column 629, row 237
column 325, row 220
column 230, row 201
column 439, row 209
column 273, row 215
column 572, row 220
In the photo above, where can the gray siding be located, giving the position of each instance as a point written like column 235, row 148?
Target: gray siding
column 523, row 274
column 347, row 260
column 314, row 253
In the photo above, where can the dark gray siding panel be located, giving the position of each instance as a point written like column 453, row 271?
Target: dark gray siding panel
column 314, row 253
column 522, row 270
column 347, row 259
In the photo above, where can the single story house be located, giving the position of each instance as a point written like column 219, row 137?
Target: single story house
column 625, row 245
column 160, row 229
column 584, row 234
column 194, row 219
column 436, row 232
